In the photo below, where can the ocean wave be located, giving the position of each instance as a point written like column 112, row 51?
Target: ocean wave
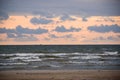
column 76, row 62
column 90, row 57
column 54, row 65
column 31, row 60
column 111, row 53
column 96, row 62
column 6, row 64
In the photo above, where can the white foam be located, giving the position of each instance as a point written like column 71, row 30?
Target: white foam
column 76, row 62
column 76, row 53
column 59, row 54
column 54, row 65
column 5, row 64
column 111, row 53
column 74, row 58
column 7, row 54
column 29, row 54
column 96, row 62
column 90, row 57
column 23, row 54
column 32, row 60
column 24, row 57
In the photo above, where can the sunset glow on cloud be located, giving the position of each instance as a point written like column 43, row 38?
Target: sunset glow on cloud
column 59, row 22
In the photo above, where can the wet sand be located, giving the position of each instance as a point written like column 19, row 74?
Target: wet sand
column 60, row 75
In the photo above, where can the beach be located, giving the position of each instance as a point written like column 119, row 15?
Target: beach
column 60, row 75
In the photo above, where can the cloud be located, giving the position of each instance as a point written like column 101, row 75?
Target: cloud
column 103, row 29
column 99, row 38
column 4, row 30
column 20, row 29
column 11, row 35
column 2, row 40
column 103, row 39
column 75, row 7
column 66, row 17
column 109, row 38
column 25, row 38
column 22, row 34
column 3, row 16
column 64, row 36
column 106, row 18
column 118, row 36
column 36, row 21
column 53, row 36
column 112, row 38
column 45, row 14
column 68, row 36
column 21, row 37
column 63, row 29
column 84, row 19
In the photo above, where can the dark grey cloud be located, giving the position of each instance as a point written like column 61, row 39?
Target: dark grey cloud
column 26, row 38
column 109, row 19
column 103, row 29
column 99, row 38
column 118, row 36
column 63, row 29
column 75, row 7
column 66, row 17
column 68, row 36
column 84, row 19
column 109, row 38
column 20, row 29
column 21, row 37
column 53, row 36
column 64, row 36
column 106, row 19
column 11, row 35
column 45, row 14
column 40, row 21
column 4, row 30
column 3, row 16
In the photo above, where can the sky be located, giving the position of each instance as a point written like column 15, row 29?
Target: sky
column 31, row 22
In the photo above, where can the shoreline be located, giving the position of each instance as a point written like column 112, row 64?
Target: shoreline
column 60, row 75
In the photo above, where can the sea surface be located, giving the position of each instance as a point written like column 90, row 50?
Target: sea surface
column 59, row 57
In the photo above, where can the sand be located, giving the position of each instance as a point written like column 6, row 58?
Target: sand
column 60, row 75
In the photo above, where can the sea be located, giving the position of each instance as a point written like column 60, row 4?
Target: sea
column 59, row 57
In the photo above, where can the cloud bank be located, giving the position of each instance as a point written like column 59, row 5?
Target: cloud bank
column 63, row 29
column 58, row 7
column 104, row 29
column 20, row 29
column 40, row 21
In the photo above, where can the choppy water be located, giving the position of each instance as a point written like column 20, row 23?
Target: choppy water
column 58, row 57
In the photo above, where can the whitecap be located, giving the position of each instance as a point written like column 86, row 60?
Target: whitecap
column 29, row 54
column 7, row 54
column 5, row 64
column 76, row 62
column 90, row 57
column 76, row 53
column 31, row 60
column 111, row 53
column 59, row 54
column 54, row 65
column 74, row 58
